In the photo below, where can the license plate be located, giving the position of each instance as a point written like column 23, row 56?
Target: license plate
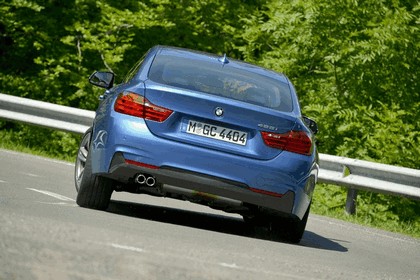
column 217, row 132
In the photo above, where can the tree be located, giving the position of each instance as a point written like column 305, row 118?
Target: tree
column 355, row 65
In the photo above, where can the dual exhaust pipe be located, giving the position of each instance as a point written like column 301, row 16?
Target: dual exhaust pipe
column 144, row 179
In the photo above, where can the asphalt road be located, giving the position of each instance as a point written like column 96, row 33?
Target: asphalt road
column 45, row 235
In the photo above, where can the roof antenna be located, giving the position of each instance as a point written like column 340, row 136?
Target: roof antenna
column 224, row 59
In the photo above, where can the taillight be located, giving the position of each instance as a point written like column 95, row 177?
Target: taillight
column 138, row 106
column 292, row 141
column 130, row 104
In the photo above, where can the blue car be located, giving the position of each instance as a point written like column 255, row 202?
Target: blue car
column 208, row 129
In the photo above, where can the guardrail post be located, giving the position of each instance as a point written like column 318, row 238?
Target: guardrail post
column 351, row 201
column 351, row 194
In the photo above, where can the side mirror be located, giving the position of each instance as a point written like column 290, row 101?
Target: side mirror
column 102, row 79
column 311, row 124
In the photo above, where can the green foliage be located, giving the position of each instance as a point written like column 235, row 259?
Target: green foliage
column 366, row 129
column 355, row 65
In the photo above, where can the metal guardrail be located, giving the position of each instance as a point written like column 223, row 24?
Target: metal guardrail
column 346, row 172
column 45, row 114
column 369, row 176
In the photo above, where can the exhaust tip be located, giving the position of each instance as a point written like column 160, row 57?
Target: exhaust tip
column 151, row 181
column 141, row 179
column 144, row 179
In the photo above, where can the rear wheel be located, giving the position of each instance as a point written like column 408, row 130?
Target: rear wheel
column 275, row 227
column 93, row 191
column 290, row 229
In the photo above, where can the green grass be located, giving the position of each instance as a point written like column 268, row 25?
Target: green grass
column 389, row 213
column 36, row 152
column 31, row 150
column 38, row 141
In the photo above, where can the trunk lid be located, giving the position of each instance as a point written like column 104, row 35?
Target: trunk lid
column 216, row 122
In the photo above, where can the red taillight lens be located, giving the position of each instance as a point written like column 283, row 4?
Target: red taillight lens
column 130, row 104
column 138, row 106
column 292, row 141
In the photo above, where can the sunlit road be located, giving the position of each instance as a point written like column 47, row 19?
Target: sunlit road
column 45, row 235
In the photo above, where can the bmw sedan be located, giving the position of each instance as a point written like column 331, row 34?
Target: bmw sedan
column 204, row 128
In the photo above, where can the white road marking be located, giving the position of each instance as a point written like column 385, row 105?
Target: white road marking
column 59, row 203
column 1, row 181
column 129, row 248
column 230, row 265
column 31, row 175
column 55, row 195
column 187, row 258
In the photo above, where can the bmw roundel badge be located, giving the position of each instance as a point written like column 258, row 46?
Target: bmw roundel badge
column 218, row 112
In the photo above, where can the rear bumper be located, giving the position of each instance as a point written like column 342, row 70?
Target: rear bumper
column 124, row 172
column 201, row 169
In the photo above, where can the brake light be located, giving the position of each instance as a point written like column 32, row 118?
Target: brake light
column 136, row 105
column 292, row 141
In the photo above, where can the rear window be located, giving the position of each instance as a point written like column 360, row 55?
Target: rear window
column 223, row 80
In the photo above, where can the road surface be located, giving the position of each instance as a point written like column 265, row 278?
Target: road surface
column 45, row 235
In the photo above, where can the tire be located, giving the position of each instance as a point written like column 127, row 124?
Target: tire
column 82, row 154
column 93, row 191
column 290, row 229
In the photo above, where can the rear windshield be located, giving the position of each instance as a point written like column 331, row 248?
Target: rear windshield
column 223, row 80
